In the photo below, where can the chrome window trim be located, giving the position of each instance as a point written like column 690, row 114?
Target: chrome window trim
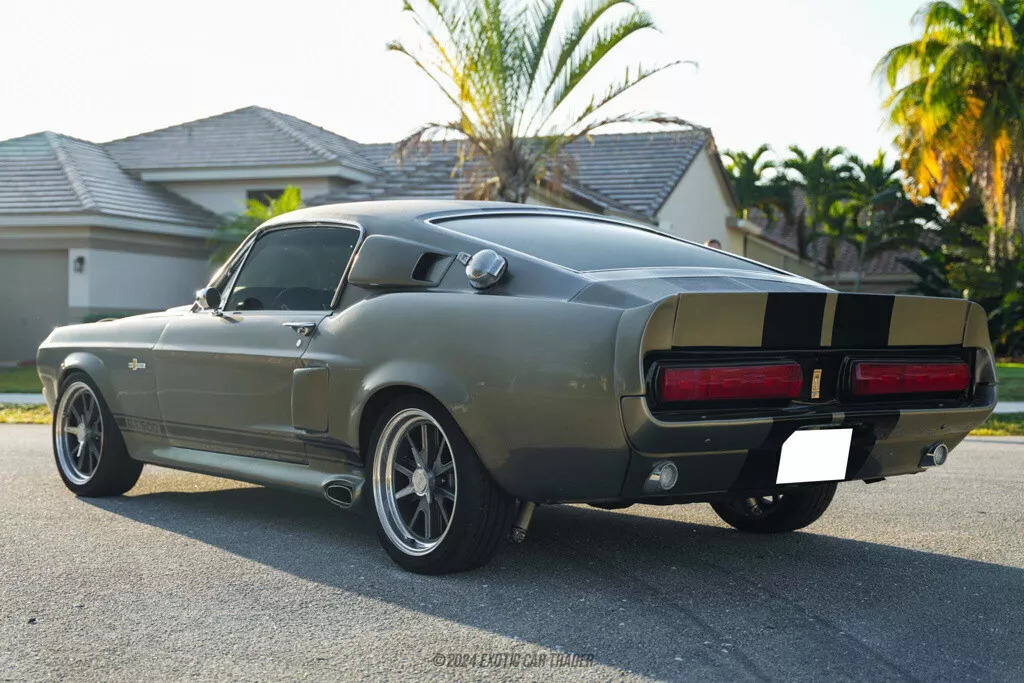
column 261, row 232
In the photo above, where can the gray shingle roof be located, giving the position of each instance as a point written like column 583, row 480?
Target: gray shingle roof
column 434, row 179
column 52, row 173
column 248, row 137
column 632, row 173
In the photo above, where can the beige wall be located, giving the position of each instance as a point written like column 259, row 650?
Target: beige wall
column 126, row 281
column 228, row 196
column 699, row 205
column 33, row 300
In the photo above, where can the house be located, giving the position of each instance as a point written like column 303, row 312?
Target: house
column 92, row 230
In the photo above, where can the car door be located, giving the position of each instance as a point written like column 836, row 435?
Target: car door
column 224, row 376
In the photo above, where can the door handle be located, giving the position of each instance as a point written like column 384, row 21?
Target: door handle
column 305, row 329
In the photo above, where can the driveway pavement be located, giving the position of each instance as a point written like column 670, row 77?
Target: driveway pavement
column 919, row 577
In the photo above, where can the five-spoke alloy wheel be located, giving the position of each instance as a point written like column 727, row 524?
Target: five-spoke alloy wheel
column 87, row 445
column 438, row 509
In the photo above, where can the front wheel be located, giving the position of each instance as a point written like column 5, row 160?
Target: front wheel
column 438, row 509
column 788, row 511
column 91, row 456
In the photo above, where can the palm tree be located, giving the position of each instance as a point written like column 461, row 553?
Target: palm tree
column 821, row 177
column 513, row 74
column 875, row 200
column 754, row 180
column 957, row 98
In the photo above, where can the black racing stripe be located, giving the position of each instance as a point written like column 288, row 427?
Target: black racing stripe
column 793, row 320
column 862, row 321
column 868, row 431
column 761, row 468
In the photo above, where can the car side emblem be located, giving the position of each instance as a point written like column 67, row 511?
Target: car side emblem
column 816, row 383
column 136, row 365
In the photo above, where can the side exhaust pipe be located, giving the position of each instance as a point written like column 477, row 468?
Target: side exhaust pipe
column 343, row 492
column 935, row 455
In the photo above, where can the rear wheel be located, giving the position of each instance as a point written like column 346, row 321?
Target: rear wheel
column 91, row 456
column 773, row 514
column 438, row 509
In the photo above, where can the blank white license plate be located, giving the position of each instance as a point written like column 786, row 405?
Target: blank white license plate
column 814, row 455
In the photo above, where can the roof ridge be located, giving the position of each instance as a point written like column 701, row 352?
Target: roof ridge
column 286, row 127
column 179, row 125
column 677, row 175
column 75, row 178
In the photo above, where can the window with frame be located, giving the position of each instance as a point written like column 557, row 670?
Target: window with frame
column 264, row 196
column 293, row 269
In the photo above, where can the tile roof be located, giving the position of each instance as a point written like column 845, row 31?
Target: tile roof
column 631, row 173
column 52, row 173
column 248, row 137
column 426, row 176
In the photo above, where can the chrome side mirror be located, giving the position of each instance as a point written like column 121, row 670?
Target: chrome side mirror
column 485, row 268
column 208, row 298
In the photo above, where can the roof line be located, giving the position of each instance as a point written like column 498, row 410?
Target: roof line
column 75, row 179
column 678, row 176
column 288, row 129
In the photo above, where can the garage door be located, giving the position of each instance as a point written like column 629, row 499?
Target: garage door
column 33, row 300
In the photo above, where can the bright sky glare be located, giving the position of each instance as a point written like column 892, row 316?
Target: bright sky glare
column 782, row 72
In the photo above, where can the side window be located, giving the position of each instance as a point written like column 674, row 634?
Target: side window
column 294, row 269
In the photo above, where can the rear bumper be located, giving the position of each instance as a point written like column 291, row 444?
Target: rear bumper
column 737, row 455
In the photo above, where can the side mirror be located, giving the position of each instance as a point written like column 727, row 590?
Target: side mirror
column 485, row 268
column 208, row 298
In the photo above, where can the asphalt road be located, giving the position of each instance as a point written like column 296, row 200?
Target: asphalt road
column 919, row 577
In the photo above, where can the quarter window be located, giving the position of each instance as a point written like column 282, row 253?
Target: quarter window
column 294, row 269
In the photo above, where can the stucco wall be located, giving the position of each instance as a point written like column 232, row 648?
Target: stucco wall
column 228, row 196
column 33, row 300
column 128, row 281
column 698, row 207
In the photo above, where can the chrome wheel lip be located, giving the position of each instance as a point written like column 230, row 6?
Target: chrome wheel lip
column 79, row 433
column 385, row 484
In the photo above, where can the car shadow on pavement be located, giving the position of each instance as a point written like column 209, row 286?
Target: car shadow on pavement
column 651, row 595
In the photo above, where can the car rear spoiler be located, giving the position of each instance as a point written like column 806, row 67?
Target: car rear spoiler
column 807, row 320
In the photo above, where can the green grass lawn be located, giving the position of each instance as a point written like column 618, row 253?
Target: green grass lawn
column 19, row 381
column 1011, row 381
column 1006, row 424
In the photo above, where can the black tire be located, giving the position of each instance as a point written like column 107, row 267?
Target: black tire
column 788, row 511
column 113, row 472
column 481, row 514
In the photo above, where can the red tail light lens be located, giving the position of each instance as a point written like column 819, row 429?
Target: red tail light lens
column 874, row 379
column 779, row 381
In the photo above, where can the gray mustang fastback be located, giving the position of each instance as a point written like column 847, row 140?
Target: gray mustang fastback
column 453, row 364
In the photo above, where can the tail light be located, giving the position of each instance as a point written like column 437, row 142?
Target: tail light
column 874, row 379
column 739, row 382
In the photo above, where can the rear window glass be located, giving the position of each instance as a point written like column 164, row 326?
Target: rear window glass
column 582, row 244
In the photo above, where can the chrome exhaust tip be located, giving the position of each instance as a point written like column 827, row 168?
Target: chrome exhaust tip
column 935, row 455
column 341, row 492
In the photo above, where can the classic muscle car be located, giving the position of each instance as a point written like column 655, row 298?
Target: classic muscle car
column 453, row 364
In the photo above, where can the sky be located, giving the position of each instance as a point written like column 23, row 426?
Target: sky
column 782, row 72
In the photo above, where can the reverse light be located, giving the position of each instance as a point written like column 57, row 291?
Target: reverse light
column 874, row 379
column 739, row 382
